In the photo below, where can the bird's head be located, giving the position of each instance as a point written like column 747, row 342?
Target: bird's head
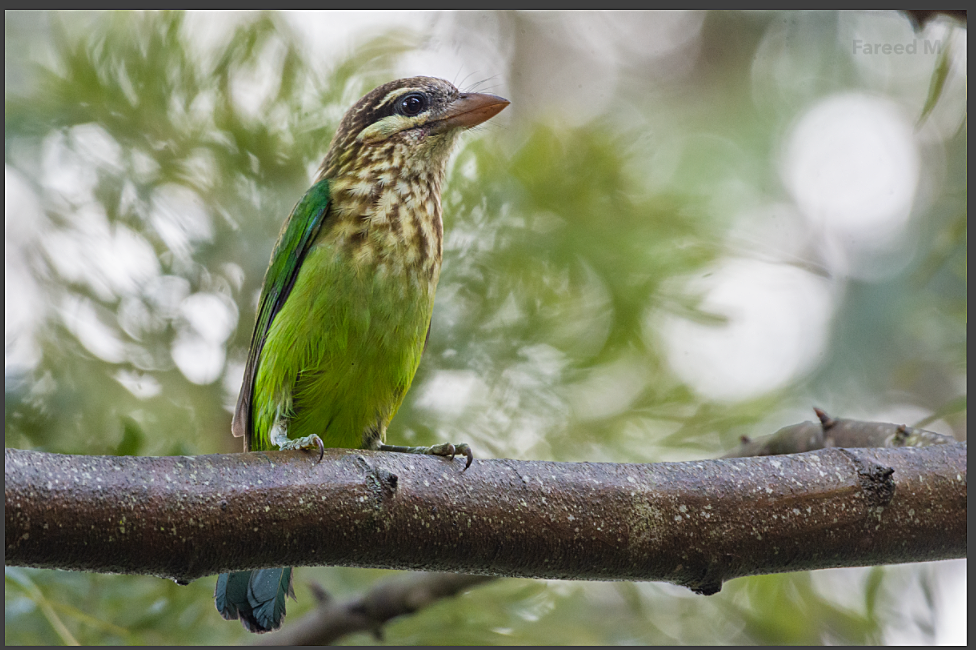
column 408, row 122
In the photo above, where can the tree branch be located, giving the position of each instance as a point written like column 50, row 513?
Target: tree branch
column 401, row 595
column 385, row 600
column 694, row 523
column 840, row 432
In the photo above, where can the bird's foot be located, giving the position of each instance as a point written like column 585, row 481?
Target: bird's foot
column 306, row 443
column 445, row 449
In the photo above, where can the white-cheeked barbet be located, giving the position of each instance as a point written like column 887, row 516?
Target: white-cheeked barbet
column 345, row 309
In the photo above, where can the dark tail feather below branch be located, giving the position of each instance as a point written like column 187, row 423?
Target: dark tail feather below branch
column 257, row 598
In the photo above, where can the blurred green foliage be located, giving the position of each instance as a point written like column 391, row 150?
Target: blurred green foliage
column 160, row 170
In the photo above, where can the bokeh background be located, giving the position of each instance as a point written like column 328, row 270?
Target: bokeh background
column 687, row 227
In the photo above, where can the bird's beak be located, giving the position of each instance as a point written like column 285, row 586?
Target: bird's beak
column 470, row 109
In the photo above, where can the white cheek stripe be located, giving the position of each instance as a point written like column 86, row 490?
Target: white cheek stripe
column 388, row 126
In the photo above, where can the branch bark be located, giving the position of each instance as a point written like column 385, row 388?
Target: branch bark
column 695, row 524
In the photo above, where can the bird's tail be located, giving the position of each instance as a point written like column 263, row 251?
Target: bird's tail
column 255, row 597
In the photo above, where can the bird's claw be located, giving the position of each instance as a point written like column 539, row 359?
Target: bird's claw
column 445, row 449
column 307, row 443
column 450, row 450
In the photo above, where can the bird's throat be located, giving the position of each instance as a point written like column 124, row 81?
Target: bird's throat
column 387, row 217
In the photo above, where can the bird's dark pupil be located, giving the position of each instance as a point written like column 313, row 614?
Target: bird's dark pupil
column 412, row 104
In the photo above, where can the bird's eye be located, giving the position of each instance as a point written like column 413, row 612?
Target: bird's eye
column 412, row 104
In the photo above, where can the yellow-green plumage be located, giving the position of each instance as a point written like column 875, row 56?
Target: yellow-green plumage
column 347, row 299
column 347, row 384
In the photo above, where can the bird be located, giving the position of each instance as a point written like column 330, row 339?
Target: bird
column 345, row 308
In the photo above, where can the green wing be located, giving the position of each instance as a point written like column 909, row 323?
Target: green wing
column 297, row 235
